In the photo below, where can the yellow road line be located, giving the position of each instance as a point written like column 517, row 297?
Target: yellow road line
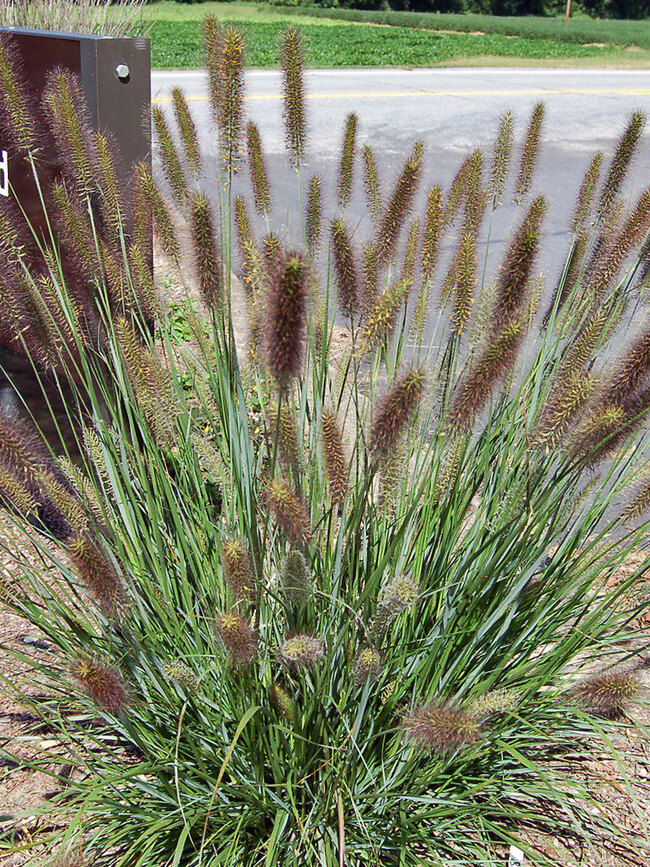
column 613, row 91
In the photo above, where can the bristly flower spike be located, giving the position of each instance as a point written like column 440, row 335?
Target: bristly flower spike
column 313, row 215
column 397, row 597
column 346, row 165
column 466, row 283
column 530, row 152
column 625, row 150
column 441, row 728
column 179, row 672
column 238, row 569
column 395, row 411
column 501, row 157
column 303, row 651
column 170, row 159
column 433, row 225
column 238, row 638
column 297, row 586
column 336, row 465
column 345, row 269
column 586, row 194
column 99, row 577
column 66, row 114
column 103, row 684
column 285, row 314
column 149, row 201
column 367, row 665
column 257, row 166
column 400, row 204
column 212, row 35
column 230, row 120
column 292, row 64
column 287, row 510
column 207, row 259
column 187, row 130
column 607, row 694
column 371, row 181
column 14, row 99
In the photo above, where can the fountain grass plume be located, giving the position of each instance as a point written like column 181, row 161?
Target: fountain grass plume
column 150, row 205
column 287, row 510
column 608, row 694
column 67, row 118
column 345, row 269
column 238, row 639
column 441, row 728
column 395, row 411
column 476, row 385
column 99, row 576
column 516, row 269
column 17, row 103
column 379, row 321
column 292, row 66
column 313, row 214
column 171, row 160
column 230, row 98
column 187, row 130
column 238, row 569
column 257, row 166
column 466, row 283
column 212, row 36
column 586, row 194
column 103, row 684
column 399, row 204
column 501, row 154
column 620, row 163
column 296, row 580
column 346, row 164
column 336, row 465
column 433, row 226
column 371, row 181
column 286, row 305
column 302, row 651
column 530, row 151
column 411, row 249
column 207, row 258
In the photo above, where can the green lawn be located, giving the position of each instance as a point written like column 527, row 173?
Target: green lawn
column 335, row 40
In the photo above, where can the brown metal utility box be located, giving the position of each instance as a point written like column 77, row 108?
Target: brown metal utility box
column 115, row 78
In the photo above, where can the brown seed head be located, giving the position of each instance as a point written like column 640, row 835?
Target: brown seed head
column 187, row 130
column 207, row 259
column 231, row 87
column 347, row 160
column 285, row 317
column 399, row 205
column 257, row 166
column 171, row 160
column 238, row 569
column 371, row 181
column 103, row 684
column 313, row 215
column 530, row 152
column 367, row 665
column 433, row 225
column 238, row 638
column 292, row 64
column 336, row 464
column 607, row 694
column 441, row 728
column 345, row 269
column 586, row 194
column 395, row 411
column 625, row 150
column 303, row 651
column 501, row 157
column 287, row 510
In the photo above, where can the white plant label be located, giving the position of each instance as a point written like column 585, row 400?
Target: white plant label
column 516, row 857
column 4, row 173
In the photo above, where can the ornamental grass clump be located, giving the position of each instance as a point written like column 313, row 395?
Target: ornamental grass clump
column 318, row 559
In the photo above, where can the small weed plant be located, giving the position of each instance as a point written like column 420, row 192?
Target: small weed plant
column 339, row 588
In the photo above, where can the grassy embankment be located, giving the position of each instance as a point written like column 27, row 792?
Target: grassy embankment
column 347, row 38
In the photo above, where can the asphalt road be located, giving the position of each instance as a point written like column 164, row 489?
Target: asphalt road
column 453, row 111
